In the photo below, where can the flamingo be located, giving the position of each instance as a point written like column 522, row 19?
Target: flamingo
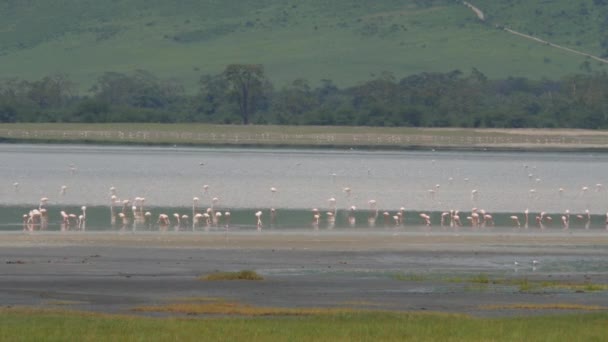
column 373, row 215
column 258, row 215
column 163, row 221
column 332, row 205
column 227, row 218
column 315, row 220
column 207, row 219
column 426, row 219
column 44, row 219
column 177, row 221
column 526, row 212
column 218, row 218
column 488, row 220
column 148, row 219
column 515, row 220
column 397, row 220
column 352, row 220
column 474, row 195
column 401, row 214
column 273, row 217
column 387, row 218
column 64, row 217
column 113, row 201
column 457, row 222
column 347, row 191
column 474, row 219
column 197, row 219
column 331, row 220
column 566, row 219
column 16, row 186
column 195, row 201
column 82, row 219
column 539, row 220
column 444, row 216
column 184, row 221
column 43, row 203
column 63, row 190
column 273, row 192
column 125, row 220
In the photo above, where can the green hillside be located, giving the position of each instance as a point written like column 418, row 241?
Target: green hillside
column 346, row 41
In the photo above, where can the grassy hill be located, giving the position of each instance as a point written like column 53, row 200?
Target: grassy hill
column 344, row 40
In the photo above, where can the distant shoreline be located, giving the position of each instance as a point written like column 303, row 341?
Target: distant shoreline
column 338, row 137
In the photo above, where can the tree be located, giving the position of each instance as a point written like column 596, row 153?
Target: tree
column 247, row 82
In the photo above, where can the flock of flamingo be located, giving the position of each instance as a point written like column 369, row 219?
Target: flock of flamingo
column 130, row 213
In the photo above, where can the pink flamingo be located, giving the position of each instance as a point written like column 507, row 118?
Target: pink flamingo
column 426, row 219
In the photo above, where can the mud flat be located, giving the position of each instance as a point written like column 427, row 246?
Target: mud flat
column 480, row 274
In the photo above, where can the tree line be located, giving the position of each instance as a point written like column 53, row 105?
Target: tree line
column 242, row 94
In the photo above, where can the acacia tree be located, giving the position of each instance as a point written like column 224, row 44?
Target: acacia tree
column 247, row 82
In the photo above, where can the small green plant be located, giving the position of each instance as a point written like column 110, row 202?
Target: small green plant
column 241, row 275
column 481, row 278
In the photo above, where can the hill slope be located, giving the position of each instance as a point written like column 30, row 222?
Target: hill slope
column 346, row 41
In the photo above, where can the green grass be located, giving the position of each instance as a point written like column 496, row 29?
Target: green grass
column 345, row 41
column 307, row 136
column 240, row 275
column 36, row 325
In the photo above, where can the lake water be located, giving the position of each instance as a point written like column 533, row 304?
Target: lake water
column 169, row 177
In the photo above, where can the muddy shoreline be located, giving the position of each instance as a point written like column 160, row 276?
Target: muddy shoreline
column 113, row 272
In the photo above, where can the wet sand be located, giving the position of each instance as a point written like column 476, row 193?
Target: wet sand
column 413, row 271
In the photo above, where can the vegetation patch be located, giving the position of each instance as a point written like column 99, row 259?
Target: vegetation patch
column 39, row 325
column 527, row 285
column 233, row 308
column 534, row 306
column 240, row 275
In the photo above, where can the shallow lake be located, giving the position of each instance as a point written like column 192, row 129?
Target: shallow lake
column 501, row 183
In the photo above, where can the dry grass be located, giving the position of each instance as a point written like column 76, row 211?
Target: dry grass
column 546, row 306
column 241, row 275
column 233, row 308
column 307, row 136
column 65, row 302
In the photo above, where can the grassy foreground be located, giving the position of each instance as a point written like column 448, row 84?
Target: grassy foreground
column 36, row 325
column 306, row 136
